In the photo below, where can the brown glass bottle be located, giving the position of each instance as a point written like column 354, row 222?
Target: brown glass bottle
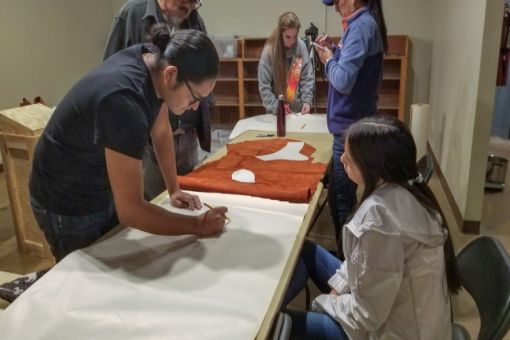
column 280, row 117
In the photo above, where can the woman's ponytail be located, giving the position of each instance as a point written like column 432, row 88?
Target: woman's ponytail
column 375, row 8
column 160, row 37
column 191, row 51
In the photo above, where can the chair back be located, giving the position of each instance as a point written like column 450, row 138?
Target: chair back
column 459, row 332
column 484, row 268
column 426, row 167
column 282, row 327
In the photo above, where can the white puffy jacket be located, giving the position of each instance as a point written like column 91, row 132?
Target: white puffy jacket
column 393, row 282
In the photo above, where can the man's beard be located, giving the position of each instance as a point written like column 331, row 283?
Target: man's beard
column 173, row 23
column 175, row 20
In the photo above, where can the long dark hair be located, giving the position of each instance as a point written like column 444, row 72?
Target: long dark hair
column 375, row 8
column 383, row 149
column 277, row 51
column 191, row 51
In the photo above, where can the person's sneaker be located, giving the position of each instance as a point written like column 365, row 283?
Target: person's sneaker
column 10, row 291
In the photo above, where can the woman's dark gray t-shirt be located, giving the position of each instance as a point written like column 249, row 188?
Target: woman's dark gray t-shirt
column 114, row 107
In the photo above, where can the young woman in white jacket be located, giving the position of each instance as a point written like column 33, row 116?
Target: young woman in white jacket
column 399, row 268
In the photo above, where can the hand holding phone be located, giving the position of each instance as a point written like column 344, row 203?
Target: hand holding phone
column 320, row 47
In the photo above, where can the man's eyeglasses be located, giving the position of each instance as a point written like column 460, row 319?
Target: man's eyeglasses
column 196, row 98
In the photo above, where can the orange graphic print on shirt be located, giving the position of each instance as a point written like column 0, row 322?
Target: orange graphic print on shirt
column 293, row 78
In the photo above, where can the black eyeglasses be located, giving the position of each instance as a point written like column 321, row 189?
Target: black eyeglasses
column 196, row 99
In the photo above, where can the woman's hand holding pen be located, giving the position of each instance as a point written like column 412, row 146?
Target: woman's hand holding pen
column 212, row 222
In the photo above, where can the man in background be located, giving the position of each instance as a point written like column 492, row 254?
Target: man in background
column 132, row 25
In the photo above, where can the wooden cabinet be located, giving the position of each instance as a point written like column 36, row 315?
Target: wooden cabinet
column 237, row 94
column 20, row 129
column 227, row 94
column 393, row 94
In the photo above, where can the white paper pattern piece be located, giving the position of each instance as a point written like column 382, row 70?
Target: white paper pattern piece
column 294, row 123
column 136, row 285
column 243, row 176
column 290, row 152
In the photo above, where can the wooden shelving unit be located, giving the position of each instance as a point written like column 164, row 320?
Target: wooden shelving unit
column 237, row 94
column 393, row 93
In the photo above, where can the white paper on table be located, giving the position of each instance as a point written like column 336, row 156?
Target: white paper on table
column 294, row 123
column 241, row 202
column 290, row 152
column 136, row 285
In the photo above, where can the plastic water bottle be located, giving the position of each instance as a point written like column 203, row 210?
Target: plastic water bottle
column 280, row 117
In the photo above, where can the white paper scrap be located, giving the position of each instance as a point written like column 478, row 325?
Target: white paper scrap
column 290, row 152
column 243, row 176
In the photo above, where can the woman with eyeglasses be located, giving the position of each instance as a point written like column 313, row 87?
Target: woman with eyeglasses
column 87, row 168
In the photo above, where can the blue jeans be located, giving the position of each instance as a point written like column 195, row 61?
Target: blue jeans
column 320, row 265
column 68, row 233
column 341, row 190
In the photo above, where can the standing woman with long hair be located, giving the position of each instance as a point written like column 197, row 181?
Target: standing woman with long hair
column 354, row 71
column 399, row 268
column 285, row 68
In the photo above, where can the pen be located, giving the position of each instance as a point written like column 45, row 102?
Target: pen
column 303, row 126
column 265, row 135
column 210, row 207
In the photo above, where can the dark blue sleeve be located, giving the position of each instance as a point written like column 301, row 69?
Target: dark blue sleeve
column 342, row 71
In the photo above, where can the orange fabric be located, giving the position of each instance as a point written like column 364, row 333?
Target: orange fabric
column 293, row 181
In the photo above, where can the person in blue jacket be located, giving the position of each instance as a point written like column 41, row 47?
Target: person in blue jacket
column 354, row 71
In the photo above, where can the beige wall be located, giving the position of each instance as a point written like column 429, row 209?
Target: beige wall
column 49, row 45
column 116, row 5
column 463, row 75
